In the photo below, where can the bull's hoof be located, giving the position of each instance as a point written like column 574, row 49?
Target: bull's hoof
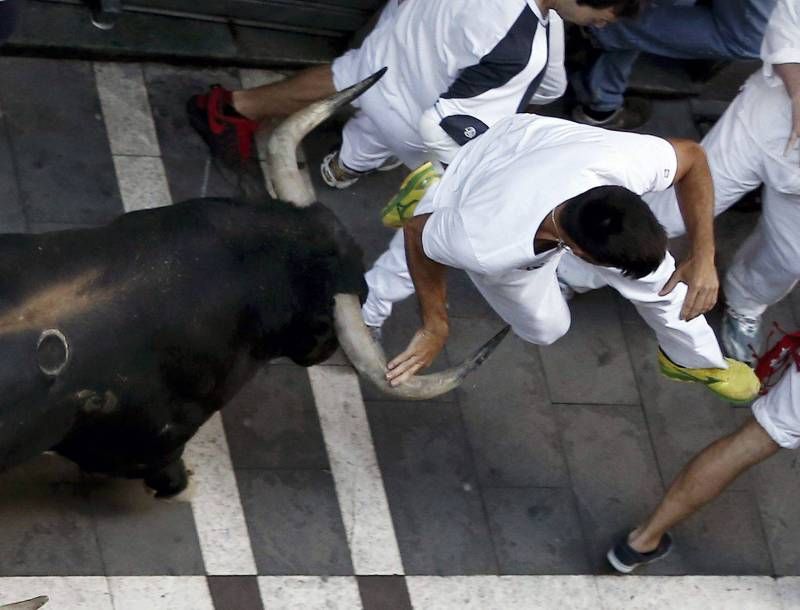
column 169, row 481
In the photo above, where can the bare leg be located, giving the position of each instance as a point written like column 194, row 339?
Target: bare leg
column 284, row 97
column 703, row 479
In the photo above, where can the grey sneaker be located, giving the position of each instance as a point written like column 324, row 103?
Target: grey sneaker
column 625, row 559
column 632, row 115
column 741, row 336
column 335, row 174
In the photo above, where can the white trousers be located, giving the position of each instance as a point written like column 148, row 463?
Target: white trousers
column 378, row 130
column 746, row 148
column 531, row 302
column 778, row 411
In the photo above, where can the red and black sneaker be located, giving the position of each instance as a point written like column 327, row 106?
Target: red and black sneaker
column 228, row 134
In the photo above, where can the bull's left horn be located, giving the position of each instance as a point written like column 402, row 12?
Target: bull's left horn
column 282, row 146
column 30, row 604
column 368, row 359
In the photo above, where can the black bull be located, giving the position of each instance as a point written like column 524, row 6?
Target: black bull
column 118, row 342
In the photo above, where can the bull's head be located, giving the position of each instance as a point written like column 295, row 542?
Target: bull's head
column 364, row 353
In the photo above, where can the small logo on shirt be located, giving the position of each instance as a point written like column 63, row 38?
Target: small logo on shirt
column 666, row 173
column 470, row 132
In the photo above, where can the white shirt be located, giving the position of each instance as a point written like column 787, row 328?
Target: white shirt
column 492, row 199
column 781, row 39
column 457, row 67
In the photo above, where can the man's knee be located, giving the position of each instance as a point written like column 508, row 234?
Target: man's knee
column 544, row 332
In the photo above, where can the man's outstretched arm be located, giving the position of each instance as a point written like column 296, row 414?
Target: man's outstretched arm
column 430, row 282
column 695, row 192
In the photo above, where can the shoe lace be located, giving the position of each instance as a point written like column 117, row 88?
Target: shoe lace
column 748, row 324
column 245, row 128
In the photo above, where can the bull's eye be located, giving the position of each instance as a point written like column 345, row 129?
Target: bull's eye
column 52, row 352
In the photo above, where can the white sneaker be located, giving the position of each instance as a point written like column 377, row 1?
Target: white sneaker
column 334, row 174
column 741, row 336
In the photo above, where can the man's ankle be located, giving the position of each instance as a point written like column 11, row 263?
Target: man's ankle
column 239, row 105
column 642, row 543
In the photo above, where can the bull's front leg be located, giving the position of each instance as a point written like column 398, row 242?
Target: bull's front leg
column 170, row 480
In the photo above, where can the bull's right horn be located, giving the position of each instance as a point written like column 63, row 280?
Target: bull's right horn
column 368, row 358
column 30, row 604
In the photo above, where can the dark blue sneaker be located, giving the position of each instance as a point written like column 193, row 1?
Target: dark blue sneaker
column 625, row 559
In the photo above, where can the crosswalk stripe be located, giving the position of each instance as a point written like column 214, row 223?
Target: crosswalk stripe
column 215, row 501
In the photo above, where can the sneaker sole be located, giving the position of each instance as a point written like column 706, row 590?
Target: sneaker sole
column 409, row 185
column 682, row 378
column 618, row 565
column 626, row 569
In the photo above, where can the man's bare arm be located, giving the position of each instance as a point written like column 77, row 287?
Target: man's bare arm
column 790, row 75
column 695, row 191
column 430, row 282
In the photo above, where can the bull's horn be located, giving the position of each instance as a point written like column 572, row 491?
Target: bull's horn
column 30, row 604
column 282, row 146
column 369, row 360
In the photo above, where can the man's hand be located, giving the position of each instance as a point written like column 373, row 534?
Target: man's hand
column 700, row 275
column 423, row 349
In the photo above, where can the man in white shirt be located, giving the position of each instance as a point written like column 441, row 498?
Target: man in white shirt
column 534, row 192
column 755, row 142
column 454, row 69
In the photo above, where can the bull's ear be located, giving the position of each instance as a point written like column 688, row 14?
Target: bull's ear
column 31, row 604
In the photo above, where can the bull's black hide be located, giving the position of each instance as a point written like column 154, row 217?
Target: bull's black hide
column 166, row 314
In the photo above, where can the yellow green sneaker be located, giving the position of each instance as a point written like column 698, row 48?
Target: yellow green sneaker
column 401, row 207
column 737, row 383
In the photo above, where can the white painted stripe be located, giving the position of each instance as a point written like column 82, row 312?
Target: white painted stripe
column 160, row 593
column 215, row 501
column 789, row 589
column 503, row 593
column 309, row 593
column 65, row 593
column 123, row 98
column 603, row 592
column 354, row 464
column 426, row 592
column 142, row 182
column 216, row 504
column 690, row 592
column 132, row 136
column 359, row 485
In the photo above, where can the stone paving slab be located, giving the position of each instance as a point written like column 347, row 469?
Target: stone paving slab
column 273, row 424
column 590, row 364
column 61, row 150
column 614, row 473
column 294, row 522
column 438, row 513
column 12, row 216
column 509, row 420
column 536, row 530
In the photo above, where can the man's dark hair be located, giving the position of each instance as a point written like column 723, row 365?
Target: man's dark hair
column 622, row 8
column 616, row 229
